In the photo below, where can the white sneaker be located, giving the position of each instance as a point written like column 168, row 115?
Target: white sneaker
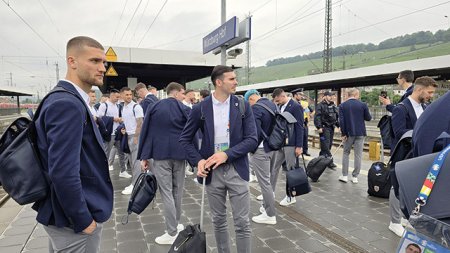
column 111, row 167
column 180, row 227
column 343, row 179
column 265, row 219
column 287, row 201
column 124, row 174
column 128, row 190
column 259, row 197
column 404, row 222
column 397, row 228
column 252, row 178
column 189, row 172
column 166, row 239
column 355, row 180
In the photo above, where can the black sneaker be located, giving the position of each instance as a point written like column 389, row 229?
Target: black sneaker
column 332, row 166
column 307, row 154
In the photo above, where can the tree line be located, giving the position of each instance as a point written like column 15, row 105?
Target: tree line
column 422, row 37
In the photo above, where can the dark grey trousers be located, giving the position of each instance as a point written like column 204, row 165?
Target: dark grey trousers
column 64, row 240
column 260, row 163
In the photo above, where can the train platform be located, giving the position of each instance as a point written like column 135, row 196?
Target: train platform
column 334, row 217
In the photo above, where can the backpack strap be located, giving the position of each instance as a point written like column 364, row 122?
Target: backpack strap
column 106, row 110
column 134, row 112
column 266, row 107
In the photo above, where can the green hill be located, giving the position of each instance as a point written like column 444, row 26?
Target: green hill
column 361, row 59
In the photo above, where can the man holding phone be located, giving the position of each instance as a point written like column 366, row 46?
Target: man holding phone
column 405, row 80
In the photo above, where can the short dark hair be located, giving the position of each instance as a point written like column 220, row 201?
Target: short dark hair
column 83, row 41
column 277, row 92
column 91, row 91
column 408, row 75
column 218, row 72
column 204, row 93
column 140, row 86
column 414, row 245
column 125, row 89
column 113, row 91
column 174, row 86
column 425, row 81
column 105, row 95
column 151, row 87
column 187, row 91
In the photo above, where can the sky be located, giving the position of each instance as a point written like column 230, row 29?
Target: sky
column 34, row 32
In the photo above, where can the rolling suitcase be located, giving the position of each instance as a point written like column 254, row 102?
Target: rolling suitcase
column 192, row 239
column 317, row 166
column 378, row 179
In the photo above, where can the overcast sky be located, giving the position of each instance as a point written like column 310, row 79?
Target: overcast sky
column 280, row 27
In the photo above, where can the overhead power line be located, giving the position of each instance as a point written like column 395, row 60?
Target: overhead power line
column 49, row 17
column 32, row 29
column 118, row 23
column 140, row 18
column 132, row 17
column 151, row 24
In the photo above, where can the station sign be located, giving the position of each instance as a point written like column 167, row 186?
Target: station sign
column 111, row 55
column 223, row 34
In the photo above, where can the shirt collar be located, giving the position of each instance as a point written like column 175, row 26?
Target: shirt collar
column 217, row 102
column 414, row 103
column 82, row 93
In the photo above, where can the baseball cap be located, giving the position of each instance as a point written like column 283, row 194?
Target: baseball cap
column 249, row 93
column 297, row 90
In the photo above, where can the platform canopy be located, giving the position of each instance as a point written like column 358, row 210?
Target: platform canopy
column 158, row 67
column 436, row 67
column 13, row 91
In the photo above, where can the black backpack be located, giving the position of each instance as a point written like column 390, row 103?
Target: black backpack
column 378, row 180
column 402, row 151
column 283, row 128
column 386, row 131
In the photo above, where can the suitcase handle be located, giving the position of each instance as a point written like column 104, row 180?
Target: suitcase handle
column 203, row 204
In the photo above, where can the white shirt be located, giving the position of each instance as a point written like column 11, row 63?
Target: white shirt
column 83, row 94
column 129, row 118
column 113, row 111
column 418, row 109
column 93, row 111
column 221, row 113
column 283, row 107
column 187, row 104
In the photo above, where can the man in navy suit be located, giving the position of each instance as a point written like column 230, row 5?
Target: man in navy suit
column 294, row 147
column 229, row 134
column 148, row 99
column 352, row 114
column 433, row 121
column 160, row 133
column 80, row 197
column 261, row 157
column 404, row 117
column 405, row 80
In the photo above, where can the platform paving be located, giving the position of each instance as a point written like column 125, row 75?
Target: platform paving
column 334, row 217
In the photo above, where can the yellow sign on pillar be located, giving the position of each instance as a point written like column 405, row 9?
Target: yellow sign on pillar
column 111, row 71
column 111, row 56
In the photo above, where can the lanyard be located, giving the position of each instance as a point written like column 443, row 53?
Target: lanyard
column 431, row 178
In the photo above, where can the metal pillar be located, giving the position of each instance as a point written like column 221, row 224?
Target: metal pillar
column 327, row 50
column 223, row 53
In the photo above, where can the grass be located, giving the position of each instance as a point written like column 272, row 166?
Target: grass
column 303, row 68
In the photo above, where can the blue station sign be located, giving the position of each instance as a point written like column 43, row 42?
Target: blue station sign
column 226, row 32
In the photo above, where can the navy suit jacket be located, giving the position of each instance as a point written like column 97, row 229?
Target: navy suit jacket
column 243, row 138
column 161, row 131
column 149, row 100
column 408, row 92
column 403, row 119
column 265, row 121
column 297, row 111
column 352, row 114
column 71, row 150
column 433, row 121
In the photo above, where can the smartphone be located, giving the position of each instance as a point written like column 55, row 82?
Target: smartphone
column 383, row 94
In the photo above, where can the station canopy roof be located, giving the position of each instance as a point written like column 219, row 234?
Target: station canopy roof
column 436, row 67
column 160, row 67
column 14, row 91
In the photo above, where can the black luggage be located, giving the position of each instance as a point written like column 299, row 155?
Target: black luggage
column 378, row 181
column 192, row 239
column 296, row 181
column 317, row 166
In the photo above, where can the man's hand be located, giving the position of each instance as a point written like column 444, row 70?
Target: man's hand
column 117, row 119
column 298, row 151
column 320, row 130
column 216, row 160
column 144, row 165
column 385, row 101
column 344, row 138
column 90, row 229
column 135, row 140
column 123, row 131
column 201, row 170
